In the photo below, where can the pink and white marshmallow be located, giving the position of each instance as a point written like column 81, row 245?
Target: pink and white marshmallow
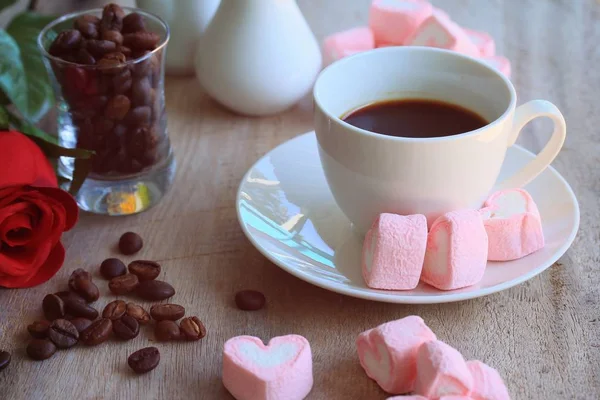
column 393, row 252
column 484, row 42
column 439, row 31
column 394, row 21
column 455, row 398
column 347, row 43
column 409, row 397
column 388, row 353
column 280, row 370
column 513, row 225
column 500, row 63
column 487, row 383
column 441, row 371
column 457, row 251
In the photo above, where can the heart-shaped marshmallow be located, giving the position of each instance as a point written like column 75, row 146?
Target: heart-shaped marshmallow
column 280, row 370
column 440, row 31
column 388, row 352
column 513, row 225
column 441, row 371
column 393, row 21
column 487, row 383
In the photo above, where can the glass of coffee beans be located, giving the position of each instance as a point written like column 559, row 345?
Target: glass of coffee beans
column 107, row 70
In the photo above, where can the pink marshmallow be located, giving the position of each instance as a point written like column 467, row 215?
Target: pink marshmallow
column 500, row 63
column 441, row 371
column 393, row 252
column 388, row 352
column 393, row 21
column 483, row 41
column 457, row 251
column 352, row 41
column 440, row 31
column 455, row 398
column 280, row 370
column 410, row 397
column 513, row 225
column 487, row 383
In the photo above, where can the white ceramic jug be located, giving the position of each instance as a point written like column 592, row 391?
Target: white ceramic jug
column 258, row 57
column 187, row 20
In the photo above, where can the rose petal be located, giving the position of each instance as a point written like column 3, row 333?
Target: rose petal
column 16, row 229
column 50, row 223
column 9, row 195
column 24, row 261
column 47, row 270
column 67, row 201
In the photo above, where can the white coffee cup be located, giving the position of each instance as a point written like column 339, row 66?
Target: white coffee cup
column 370, row 173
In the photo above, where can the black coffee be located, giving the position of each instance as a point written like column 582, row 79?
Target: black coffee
column 415, row 118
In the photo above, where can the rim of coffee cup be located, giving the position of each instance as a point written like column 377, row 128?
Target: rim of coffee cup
column 395, row 49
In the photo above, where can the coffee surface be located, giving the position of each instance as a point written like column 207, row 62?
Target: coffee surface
column 415, row 118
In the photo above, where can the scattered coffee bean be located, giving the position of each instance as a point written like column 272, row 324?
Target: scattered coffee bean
column 112, row 18
column 81, row 283
column 133, row 22
column 39, row 329
column 98, row 332
column 172, row 312
column 68, row 297
column 250, row 300
column 126, row 328
column 112, row 267
column 155, row 290
column 114, row 310
column 123, row 284
column 140, row 40
column 81, row 324
column 192, row 328
column 76, row 309
column 40, row 349
column 63, row 334
column 144, row 360
column 66, row 41
column 130, row 243
column 137, row 312
column 145, row 270
column 88, row 26
column 53, row 307
column 167, row 331
column 4, row 359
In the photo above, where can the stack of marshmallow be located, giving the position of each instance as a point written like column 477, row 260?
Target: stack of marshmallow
column 412, row 23
column 398, row 250
column 405, row 356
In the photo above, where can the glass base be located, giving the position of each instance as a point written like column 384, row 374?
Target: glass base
column 127, row 195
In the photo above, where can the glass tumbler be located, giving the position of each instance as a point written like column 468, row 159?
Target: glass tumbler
column 110, row 100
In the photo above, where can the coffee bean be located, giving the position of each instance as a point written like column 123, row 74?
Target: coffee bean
column 140, row 92
column 192, row 328
column 143, row 67
column 39, row 329
column 82, row 310
column 145, row 270
column 40, row 349
column 141, row 40
column 144, row 360
column 113, row 36
column 81, row 283
column 84, row 57
column 63, row 334
column 126, row 328
column 117, row 107
column 68, row 297
column 53, row 307
column 112, row 267
column 81, row 324
column 98, row 332
column 130, row 243
column 4, row 359
column 166, row 331
column 139, row 116
column 122, row 81
column 133, row 22
column 155, row 290
column 87, row 24
column 250, row 300
column 137, row 312
column 114, row 310
column 123, row 284
column 98, row 48
column 66, row 41
column 170, row 312
column 112, row 63
column 112, row 18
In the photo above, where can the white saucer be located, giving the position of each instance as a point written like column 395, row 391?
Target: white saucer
column 287, row 211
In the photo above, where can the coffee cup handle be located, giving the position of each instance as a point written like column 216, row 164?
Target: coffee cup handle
column 523, row 114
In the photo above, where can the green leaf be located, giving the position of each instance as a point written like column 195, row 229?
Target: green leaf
column 82, row 168
column 6, row 3
column 31, row 91
column 29, row 129
column 4, row 119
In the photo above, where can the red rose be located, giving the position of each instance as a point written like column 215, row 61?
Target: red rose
column 34, row 213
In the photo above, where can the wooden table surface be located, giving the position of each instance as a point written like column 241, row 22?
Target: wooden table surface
column 543, row 336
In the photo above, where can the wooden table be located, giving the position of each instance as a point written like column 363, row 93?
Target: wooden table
column 543, row 336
